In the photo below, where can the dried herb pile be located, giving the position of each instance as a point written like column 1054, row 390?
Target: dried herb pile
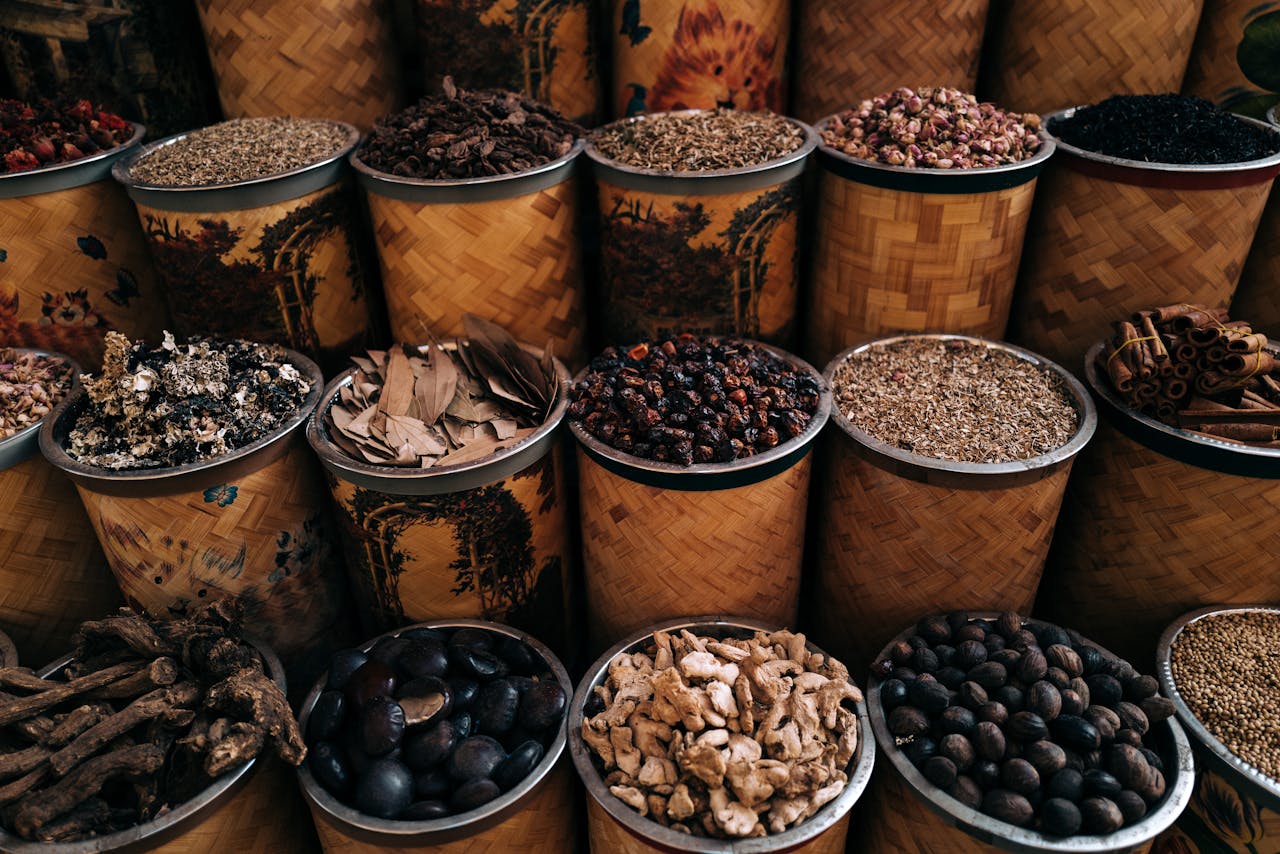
column 700, row 141
column 1165, row 129
column 48, row 132
column 30, row 386
column 468, row 134
column 181, row 403
column 148, row 715
column 1190, row 366
column 444, row 406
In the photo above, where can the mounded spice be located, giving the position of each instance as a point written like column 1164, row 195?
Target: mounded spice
column 1165, row 129
column 954, row 400
column 1227, row 669
column 30, row 386
column 699, row 141
column 468, row 134
column 694, row 400
column 240, row 150
column 182, row 403
column 933, row 128
column 49, row 132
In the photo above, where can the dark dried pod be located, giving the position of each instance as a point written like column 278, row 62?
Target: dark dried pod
column 1139, row 688
column 924, row 661
column 957, row 620
column 1100, row 815
column 1048, row 635
column 1104, row 720
column 1104, row 690
column 1076, row 733
column 970, row 632
column 1008, row 657
column 946, row 654
column 907, row 721
column 1132, row 717
column 1027, row 726
column 935, row 629
column 1019, row 775
column 900, row 653
column 893, row 693
column 920, row 750
column 988, row 741
column 1091, row 657
column 1007, row 806
column 1046, row 757
column 928, row 696
column 1011, row 697
column 958, row 719
column 1066, row 659
column 971, row 695
column 958, row 749
column 1072, row 703
column 1075, row 762
column 1058, row 678
column 992, row 712
column 950, row 676
column 1100, row 783
column 1008, row 624
column 1127, row 764
column 1153, row 758
column 1128, row 736
column 989, row 675
column 1132, row 806
column 940, row 771
column 993, row 642
column 1157, row 709
column 966, row 791
column 1060, row 817
column 1023, row 639
column 903, row 674
column 1119, row 669
column 1082, row 690
column 986, row 774
column 1045, row 700
column 1067, row 784
column 1154, row 788
column 970, row 653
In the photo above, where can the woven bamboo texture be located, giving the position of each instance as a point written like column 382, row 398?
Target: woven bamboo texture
column 53, row 575
column 323, row 59
column 699, row 54
column 1257, row 297
column 890, row 261
column 1050, row 56
column 513, row 261
column 1212, row 71
column 892, row 549
column 649, row 289
column 653, row 554
column 1098, row 250
column 314, row 299
column 55, row 296
column 609, row 837
column 847, row 51
column 265, row 539
column 1221, row 820
column 1144, row 538
column 545, row 824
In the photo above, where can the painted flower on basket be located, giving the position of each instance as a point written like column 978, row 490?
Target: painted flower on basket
column 1221, row 806
column 222, row 494
column 1173, row 842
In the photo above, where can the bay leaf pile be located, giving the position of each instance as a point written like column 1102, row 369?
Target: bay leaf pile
column 442, row 404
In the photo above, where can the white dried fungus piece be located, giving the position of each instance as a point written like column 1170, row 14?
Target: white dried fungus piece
column 730, row 738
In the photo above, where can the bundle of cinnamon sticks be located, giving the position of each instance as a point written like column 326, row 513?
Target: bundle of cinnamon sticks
column 1191, row 366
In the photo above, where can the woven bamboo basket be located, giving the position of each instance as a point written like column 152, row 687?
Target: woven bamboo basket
column 1111, row 236
column 53, row 575
column 250, row 524
column 1080, row 51
column 616, row 828
column 896, row 822
column 329, row 58
column 401, row 528
column 734, row 269
column 548, row 53
column 848, row 51
column 1156, row 522
column 538, row 816
column 76, row 265
column 288, row 270
column 504, row 248
column 900, row 533
column 661, row 540
column 1235, row 807
column 699, row 54
column 1257, row 297
column 915, row 250
column 1213, row 72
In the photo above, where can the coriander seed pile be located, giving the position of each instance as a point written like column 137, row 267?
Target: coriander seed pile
column 699, row 141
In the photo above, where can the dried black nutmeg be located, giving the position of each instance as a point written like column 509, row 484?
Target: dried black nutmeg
column 1007, row 806
column 1060, row 817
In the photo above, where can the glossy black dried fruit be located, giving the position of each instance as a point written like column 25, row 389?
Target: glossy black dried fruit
column 543, row 706
column 950, row 676
column 1100, row 815
column 329, row 766
column 1076, row 733
column 893, row 693
column 1011, row 697
column 496, row 707
column 1100, row 783
column 1007, row 806
column 422, row 657
column 342, row 664
column 387, row 650
column 478, row 663
column 929, row 697
column 518, row 765
column 464, row 690
column 920, row 750
column 327, row 716
column 519, row 656
column 1067, row 783
column 425, row 811
column 1090, row 657
column 986, row 774
column 473, row 794
column 957, row 719
column 940, row 771
column 1104, row 690
column 475, row 758
column 1060, row 817
column 430, row 746
column 385, row 789
column 434, row 784
column 371, row 679
column 1132, row 807
column 381, row 726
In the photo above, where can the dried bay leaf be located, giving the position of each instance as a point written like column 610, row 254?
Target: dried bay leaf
column 436, row 386
column 397, row 390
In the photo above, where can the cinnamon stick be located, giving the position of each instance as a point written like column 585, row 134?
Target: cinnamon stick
column 1246, row 343
column 1247, row 364
column 1158, row 351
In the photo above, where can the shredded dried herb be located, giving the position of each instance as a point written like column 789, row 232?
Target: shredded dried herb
column 699, row 141
column 30, row 386
column 241, row 150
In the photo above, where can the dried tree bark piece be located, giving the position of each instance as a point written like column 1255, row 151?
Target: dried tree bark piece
column 19, row 787
column 85, row 781
column 140, row 710
column 240, row 744
column 250, row 696
column 127, row 629
column 22, row 679
column 92, row 816
column 159, row 673
column 77, row 721
column 24, row 707
column 22, row 761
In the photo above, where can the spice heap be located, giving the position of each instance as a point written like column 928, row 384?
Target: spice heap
column 933, row 128
column 433, row 722
column 1016, row 720
column 443, row 407
column 182, row 403
column 699, row 141
column 466, row 134
column 49, row 132
column 694, row 400
column 724, row 737
column 168, row 706
column 954, row 400
column 30, row 386
column 240, row 150
column 1165, row 129
column 1225, row 667
column 1189, row 366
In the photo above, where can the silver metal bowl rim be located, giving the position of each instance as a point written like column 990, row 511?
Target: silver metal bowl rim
column 336, row 459
column 375, row 176
column 1014, row 838
column 805, row 148
column 1149, row 166
column 1273, row 115
column 1048, row 144
column 667, row 839
column 811, row 431
column 1164, row 672
column 56, row 454
column 1087, row 413
column 25, row 444
column 491, row 813
column 129, row 838
column 139, row 131
column 122, row 169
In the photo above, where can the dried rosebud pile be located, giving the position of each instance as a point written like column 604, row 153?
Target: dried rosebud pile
column 692, row 400
column 49, row 132
column 933, row 129
column 30, row 386
column 181, row 403
column 724, row 737
column 468, row 134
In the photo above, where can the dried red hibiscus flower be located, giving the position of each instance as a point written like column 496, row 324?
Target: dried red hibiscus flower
column 49, row 132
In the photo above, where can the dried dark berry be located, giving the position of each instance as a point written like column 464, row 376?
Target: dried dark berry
column 1060, row 817
column 1067, row 783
